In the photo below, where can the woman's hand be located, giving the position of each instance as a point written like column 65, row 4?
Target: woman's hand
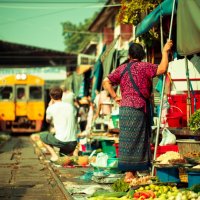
column 117, row 99
column 168, row 46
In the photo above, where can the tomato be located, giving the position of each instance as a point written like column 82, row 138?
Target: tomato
column 145, row 194
column 136, row 195
column 142, row 198
column 152, row 194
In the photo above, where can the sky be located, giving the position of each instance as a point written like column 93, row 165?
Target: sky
column 38, row 22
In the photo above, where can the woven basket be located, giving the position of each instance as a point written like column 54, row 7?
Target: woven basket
column 188, row 145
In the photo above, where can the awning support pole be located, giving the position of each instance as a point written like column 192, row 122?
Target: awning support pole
column 188, row 90
column 162, row 95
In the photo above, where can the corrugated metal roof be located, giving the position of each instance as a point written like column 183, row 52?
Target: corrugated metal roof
column 17, row 54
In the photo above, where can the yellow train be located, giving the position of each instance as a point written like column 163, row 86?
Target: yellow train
column 22, row 103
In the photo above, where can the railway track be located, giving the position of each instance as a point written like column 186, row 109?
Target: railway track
column 23, row 176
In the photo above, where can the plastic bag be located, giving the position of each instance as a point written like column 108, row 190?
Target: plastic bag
column 101, row 160
column 167, row 137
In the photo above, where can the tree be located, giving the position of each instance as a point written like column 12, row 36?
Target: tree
column 77, row 36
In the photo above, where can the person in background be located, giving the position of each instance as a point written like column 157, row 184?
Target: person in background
column 21, row 93
column 62, row 115
column 104, row 104
column 68, row 96
column 89, row 120
column 96, row 99
column 83, row 113
column 135, row 80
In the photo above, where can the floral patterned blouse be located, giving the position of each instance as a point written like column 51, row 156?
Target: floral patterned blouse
column 142, row 73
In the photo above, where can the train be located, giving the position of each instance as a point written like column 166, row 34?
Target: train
column 22, row 103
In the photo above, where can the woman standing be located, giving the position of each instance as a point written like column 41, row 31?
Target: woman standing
column 135, row 80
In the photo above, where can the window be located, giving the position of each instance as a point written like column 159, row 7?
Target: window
column 21, row 93
column 35, row 92
column 6, row 92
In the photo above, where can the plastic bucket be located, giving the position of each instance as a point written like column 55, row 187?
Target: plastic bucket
column 168, row 174
column 174, row 120
column 115, row 120
column 193, row 178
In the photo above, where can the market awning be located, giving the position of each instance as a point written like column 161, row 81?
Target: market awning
column 153, row 18
column 188, row 26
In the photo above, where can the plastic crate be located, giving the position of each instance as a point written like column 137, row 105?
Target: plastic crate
column 115, row 120
column 116, row 145
column 168, row 174
column 180, row 101
column 108, row 148
column 193, row 178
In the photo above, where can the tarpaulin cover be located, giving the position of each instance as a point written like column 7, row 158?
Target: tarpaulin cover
column 97, row 75
column 188, row 27
column 165, row 8
column 107, row 58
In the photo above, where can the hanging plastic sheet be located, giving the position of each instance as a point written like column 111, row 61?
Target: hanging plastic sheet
column 107, row 58
column 97, row 75
column 188, row 27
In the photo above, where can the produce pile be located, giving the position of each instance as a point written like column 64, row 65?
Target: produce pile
column 194, row 121
column 151, row 191
column 162, row 192
column 168, row 156
column 73, row 160
column 194, row 159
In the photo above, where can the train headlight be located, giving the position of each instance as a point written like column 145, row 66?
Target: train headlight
column 21, row 76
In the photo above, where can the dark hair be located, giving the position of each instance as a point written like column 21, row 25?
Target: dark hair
column 136, row 51
column 56, row 93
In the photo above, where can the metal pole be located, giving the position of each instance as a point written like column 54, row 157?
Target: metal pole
column 188, row 90
column 162, row 95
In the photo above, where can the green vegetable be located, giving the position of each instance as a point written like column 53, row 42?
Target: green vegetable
column 194, row 121
column 195, row 188
column 108, row 194
column 130, row 194
column 120, row 186
column 104, row 198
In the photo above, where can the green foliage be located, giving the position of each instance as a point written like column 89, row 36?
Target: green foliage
column 132, row 10
column 108, row 194
column 77, row 36
column 195, row 188
column 149, row 37
column 194, row 121
column 120, row 186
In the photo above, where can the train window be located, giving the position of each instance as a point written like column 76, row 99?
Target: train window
column 35, row 92
column 21, row 93
column 6, row 92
